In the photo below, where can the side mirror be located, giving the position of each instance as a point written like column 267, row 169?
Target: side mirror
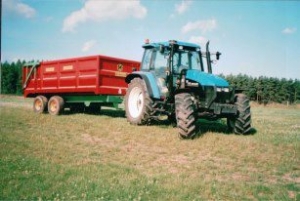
column 218, row 54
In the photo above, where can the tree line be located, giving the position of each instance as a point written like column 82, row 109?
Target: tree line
column 266, row 90
column 11, row 77
column 263, row 89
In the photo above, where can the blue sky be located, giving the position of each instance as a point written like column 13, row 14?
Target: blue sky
column 257, row 38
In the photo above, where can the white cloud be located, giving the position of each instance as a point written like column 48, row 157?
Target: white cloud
column 104, row 10
column 289, row 30
column 183, row 6
column 17, row 7
column 198, row 40
column 88, row 45
column 202, row 25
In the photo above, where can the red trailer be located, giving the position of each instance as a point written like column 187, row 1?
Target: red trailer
column 77, row 83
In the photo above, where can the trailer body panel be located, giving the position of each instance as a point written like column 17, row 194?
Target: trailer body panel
column 93, row 75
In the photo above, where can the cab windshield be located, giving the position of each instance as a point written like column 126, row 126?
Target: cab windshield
column 154, row 60
column 186, row 60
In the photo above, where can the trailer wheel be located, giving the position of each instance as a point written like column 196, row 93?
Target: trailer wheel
column 40, row 104
column 241, row 124
column 138, row 104
column 55, row 105
column 185, row 115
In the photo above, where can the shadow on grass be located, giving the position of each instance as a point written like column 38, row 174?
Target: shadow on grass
column 113, row 113
column 105, row 112
column 218, row 126
column 204, row 126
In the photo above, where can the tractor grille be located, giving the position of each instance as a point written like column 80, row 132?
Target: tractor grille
column 224, row 97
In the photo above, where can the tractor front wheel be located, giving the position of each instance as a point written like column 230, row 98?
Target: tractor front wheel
column 241, row 124
column 185, row 115
column 138, row 104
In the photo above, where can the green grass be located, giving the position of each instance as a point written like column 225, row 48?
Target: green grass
column 103, row 157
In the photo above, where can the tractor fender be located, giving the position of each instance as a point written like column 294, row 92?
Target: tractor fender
column 150, row 80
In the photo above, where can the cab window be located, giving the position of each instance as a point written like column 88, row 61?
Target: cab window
column 160, row 64
column 186, row 60
column 146, row 63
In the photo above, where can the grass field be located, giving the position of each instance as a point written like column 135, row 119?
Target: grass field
column 103, row 157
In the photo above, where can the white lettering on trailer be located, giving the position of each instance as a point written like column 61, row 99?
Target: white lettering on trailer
column 49, row 69
column 69, row 67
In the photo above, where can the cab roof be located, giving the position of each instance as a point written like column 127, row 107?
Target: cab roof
column 168, row 43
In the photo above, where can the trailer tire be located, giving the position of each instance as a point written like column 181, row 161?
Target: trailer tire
column 241, row 124
column 40, row 104
column 138, row 104
column 185, row 115
column 55, row 105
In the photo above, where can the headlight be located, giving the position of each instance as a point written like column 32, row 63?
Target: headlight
column 219, row 89
column 226, row 89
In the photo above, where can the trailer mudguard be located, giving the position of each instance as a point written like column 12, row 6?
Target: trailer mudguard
column 150, row 80
column 206, row 79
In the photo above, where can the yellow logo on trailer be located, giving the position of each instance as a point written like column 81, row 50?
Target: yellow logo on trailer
column 120, row 67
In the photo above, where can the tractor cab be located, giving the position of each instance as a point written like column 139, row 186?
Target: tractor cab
column 171, row 57
column 172, row 60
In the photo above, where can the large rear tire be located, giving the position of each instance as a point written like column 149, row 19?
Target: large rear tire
column 138, row 104
column 40, row 104
column 241, row 124
column 185, row 115
column 55, row 105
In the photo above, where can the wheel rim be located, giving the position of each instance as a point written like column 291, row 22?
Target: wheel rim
column 52, row 106
column 38, row 105
column 135, row 102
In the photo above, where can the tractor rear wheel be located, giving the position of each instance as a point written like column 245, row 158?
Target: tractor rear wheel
column 138, row 104
column 185, row 115
column 241, row 124
column 55, row 105
column 40, row 104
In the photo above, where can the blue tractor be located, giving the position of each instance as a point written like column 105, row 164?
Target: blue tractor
column 175, row 81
